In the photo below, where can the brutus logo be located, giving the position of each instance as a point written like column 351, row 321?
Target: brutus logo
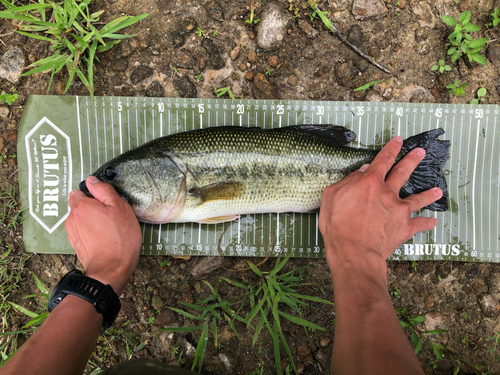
column 431, row 249
column 49, row 167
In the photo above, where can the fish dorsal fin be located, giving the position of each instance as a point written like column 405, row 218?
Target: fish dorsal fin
column 335, row 134
column 226, row 190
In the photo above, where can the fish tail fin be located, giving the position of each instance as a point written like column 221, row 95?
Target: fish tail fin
column 429, row 173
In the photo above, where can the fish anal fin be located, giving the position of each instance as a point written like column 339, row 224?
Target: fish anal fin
column 227, row 190
column 219, row 219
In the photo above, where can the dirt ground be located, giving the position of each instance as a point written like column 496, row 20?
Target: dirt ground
column 167, row 58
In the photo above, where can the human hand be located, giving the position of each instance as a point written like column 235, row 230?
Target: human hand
column 363, row 218
column 104, row 233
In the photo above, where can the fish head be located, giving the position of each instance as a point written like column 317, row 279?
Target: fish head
column 154, row 185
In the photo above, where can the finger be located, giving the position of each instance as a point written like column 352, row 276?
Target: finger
column 418, row 201
column 403, row 169
column 422, row 224
column 384, row 160
column 364, row 167
column 74, row 197
column 102, row 191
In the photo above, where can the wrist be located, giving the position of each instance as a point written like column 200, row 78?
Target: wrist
column 113, row 278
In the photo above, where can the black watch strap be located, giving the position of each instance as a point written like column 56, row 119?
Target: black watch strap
column 103, row 297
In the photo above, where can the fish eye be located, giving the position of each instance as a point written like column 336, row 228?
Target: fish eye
column 110, row 173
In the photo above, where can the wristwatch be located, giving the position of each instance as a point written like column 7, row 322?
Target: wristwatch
column 103, row 297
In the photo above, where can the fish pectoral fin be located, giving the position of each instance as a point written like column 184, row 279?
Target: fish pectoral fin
column 219, row 219
column 227, row 190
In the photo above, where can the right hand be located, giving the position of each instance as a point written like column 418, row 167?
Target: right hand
column 104, row 233
column 362, row 217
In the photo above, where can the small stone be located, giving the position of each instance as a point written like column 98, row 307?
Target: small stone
column 429, row 302
column 324, row 341
column 493, row 53
column 155, row 90
column 165, row 318
column 303, row 350
column 261, row 87
column 183, row 60
column 214, row 10
column 387, row 93
column 140, row 74
column 345, row 74
column 489, row 305
column 310, row 31
column 4, row 112
column 12, row 64
column 368, row 9
column 421, row 34
column 178, row 40
column 235, row 52
column 249, row 76
column 292, row 81
column 10, row 135
column 423, row 49
column 425, row 16
column 251, row 35
column 402, row 4
column 355, row 35
column 205, row 266
column 2, row 144
column 300, row 368
column 182, row 266
column 273, row 60
column 188, row 24
column 243, row 67
column 435, row 321
column 273, row 25
column 252, row 56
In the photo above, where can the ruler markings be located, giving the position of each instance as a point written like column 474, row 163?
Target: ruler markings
column 482, row 184
column 491, row 178
column 111, row 111
column 80, row 135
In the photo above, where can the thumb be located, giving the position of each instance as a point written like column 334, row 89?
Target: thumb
column 102, row 191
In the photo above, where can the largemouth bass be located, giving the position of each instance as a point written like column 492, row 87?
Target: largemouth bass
column 215, row 174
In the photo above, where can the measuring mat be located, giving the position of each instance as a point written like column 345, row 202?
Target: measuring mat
column 64, row 139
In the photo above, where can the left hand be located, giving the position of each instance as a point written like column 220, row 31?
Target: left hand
column 104, row 233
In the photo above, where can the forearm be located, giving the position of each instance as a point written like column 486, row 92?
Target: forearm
column 63, row 344
column 368, row 336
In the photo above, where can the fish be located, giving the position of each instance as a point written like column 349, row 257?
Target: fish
column 216, row 174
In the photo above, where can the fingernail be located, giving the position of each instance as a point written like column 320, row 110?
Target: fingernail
column 364, row 167
column 93, row 179
column 71, row 193
column 436, row 221
column 398, row 139
column 420, row 152
column 437, row 192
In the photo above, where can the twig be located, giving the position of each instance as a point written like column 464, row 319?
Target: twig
column 352, row 46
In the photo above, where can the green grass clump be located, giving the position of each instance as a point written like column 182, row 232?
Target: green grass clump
column 71, row 30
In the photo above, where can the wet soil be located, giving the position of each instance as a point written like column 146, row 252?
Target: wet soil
column 168, row 58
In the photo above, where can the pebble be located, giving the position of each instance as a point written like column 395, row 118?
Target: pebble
column 345, row 74
column 183, row 60
column 425, row 16
column 261, row 87
column 429, row 302
column 251, row 35
column 435, row 321
column 402, row 4
column 310, row 31
column 355, row 35
column 12, row 64
column 252, row 56
column 235, row 52
column 324, row 341
column 140, row 74
column 243, row 67
column 178, row 40
column 4, row 112
column 2, row 143
column 182, row 266
column 489, row 305
column 249, row 76
column 185, row 88
column 205, row 265
column 155, row 90
column 493, row 52
column 368, row 9
column 421, row 34
column 214, row 10
column 423, row 49
column 273, row 25
column 303, row 350
column 273, row 60
column 292, row 81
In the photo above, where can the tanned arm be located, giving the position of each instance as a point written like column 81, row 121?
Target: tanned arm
column 363, row 220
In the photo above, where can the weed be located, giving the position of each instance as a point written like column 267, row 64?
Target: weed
column 222, row 91
column 261, row 348
column 462, row 42
column 480, row 95
column 495, row 18
column 494, row 349
column 164, row 262
column 8, row 98
column 441, row 67
column 268, row 72
column 414, row 265
column 199, row 77
column 215, row 32
column 259, row 370
column 323, row 17
column 252, row 9
column 216, row 310
column 395, row 293
column 367, row 86
column 457, row 88
column 71, row 30
column 265, row 298
column 174, row 350
column 180, row 362
column 199, row 32
column 151, row 320
column 10, row 214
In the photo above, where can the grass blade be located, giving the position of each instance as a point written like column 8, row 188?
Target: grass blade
column 180, row 329
column 280, row 265
column 37, row 320
column 129, row 338
column 25, row 311
column 34, row 36
column 200, row 349
column 255, row 269
column 276, row 344
column 186, row 314
column 200, row 308
column 124, row 22
column 311, row 298
column 214, row 331
column 300, row 321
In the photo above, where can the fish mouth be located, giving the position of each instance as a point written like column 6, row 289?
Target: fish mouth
column 83, row 187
